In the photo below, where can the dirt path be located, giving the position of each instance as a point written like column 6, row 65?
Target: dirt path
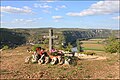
column 93, row 58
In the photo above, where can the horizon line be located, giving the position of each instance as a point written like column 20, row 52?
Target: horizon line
column 59, row 28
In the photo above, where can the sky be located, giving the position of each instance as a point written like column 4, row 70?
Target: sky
column 87, row 14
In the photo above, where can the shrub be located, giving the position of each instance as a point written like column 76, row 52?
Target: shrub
column 112, row 45
column 69, row 47
column 54, row 53
column 35, row 46
column 98, row 42
column 79, row 48
column 60, row 47
column 5, row 47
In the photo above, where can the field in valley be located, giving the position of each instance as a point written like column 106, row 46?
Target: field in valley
column 13, row 66
column 93, row 44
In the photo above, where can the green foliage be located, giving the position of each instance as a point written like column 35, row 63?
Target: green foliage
column 5, row 47
column 98, row 42
column 88, row 53
column 69, row 47
column 60, row 47
column 79, row 48
column 112, row 45
column 35, row 46
column 74, row 34
column 12, row 38
column 54, row 53
column 46, row 41
column 61, row 39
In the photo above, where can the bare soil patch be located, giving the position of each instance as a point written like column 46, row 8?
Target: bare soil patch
column 12, row 66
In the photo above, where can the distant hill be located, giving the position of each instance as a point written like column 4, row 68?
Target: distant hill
column 16, row 37
column 71, row 36
column 11, row 38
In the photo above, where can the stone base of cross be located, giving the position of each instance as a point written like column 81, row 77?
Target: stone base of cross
column 51, row 37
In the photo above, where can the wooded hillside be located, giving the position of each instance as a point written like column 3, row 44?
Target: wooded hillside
column 15, row 37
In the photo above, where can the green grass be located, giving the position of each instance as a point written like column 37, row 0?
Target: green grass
column 93, row 49
column 91, row 43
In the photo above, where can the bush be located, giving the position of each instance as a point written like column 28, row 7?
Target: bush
column 79, row 48
column 35, row 46
column 112, row 45
column 69, row 47
column 88, row 53
column 5, row 47
column 54, row 53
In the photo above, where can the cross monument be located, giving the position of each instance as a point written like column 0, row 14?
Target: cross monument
column 51, row 37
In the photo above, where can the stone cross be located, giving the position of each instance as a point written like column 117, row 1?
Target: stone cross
column 51, row 37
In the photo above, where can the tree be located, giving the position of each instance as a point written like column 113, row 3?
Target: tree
column 112, row 45
column 79, row 48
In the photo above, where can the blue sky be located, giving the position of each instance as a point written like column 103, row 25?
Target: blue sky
column 60, row 14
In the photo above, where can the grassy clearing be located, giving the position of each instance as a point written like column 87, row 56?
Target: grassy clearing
column 93, row 49
column 93, row 45
column 96, row 39
column 92, row 42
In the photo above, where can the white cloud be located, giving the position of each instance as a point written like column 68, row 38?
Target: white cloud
column 101, row 7
column 73, row 14
column 45, row 6
column 26, row 7
column 24, row 21
column 57, row 17
column 60, row 7
column 42, row 5
column 18, row 20
column 56, row 9
column 116, row 18
column 38, row 18
column 9, row 9
column 46, row 11
column 50, row 1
